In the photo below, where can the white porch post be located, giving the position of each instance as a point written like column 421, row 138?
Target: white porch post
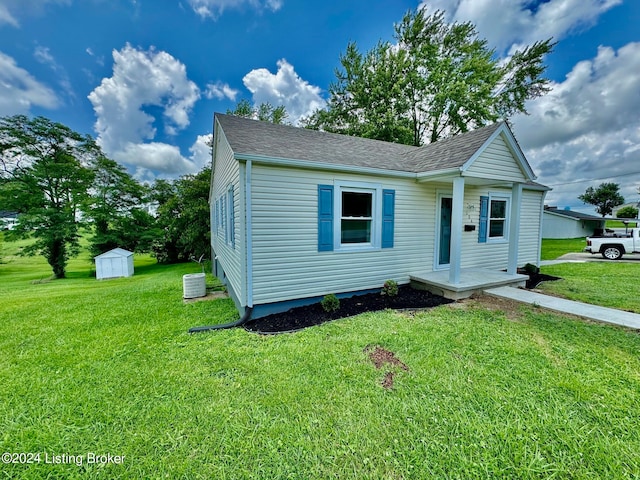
column 514, row 228
column 456, row 230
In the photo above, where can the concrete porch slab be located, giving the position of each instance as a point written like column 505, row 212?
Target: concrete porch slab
column 472, row 280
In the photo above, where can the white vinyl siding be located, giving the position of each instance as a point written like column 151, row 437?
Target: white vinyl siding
column 286, row 261
column 494, row 255
column 226, row 174
column 496, row 162
column 529, row 241
column 557, row 226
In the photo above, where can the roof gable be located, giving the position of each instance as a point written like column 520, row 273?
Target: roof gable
column 115, row 252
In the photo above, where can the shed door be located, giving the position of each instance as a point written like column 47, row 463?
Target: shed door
column 110, row 267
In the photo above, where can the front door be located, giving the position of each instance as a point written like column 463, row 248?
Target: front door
column 444, row 236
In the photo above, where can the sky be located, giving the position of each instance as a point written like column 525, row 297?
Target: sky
column 144, row 77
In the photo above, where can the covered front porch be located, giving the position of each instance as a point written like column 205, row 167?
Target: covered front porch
column 470, row 281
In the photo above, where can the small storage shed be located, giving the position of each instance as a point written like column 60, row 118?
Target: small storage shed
column 114, row 263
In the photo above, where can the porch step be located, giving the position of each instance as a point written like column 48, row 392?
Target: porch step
column 472, row 280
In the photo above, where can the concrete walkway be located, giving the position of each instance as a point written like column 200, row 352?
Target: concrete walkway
column 592, row 312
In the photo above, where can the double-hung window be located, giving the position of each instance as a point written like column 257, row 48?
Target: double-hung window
column 356, row 221
column 494, row 218
column 355, row 216
column 498, row 218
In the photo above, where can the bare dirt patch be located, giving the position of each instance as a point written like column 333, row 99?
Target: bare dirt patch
column 381, row 357
column 214, row 295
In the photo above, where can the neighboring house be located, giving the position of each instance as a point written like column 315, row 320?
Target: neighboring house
column 297, row 214
column 8, row 220
column 569, row 224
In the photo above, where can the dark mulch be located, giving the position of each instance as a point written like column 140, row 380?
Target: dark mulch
column 537, row 278
column 310, row 315
column 302, row 317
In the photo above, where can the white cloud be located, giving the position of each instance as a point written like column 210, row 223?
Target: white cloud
column 12, row 8
column 220, row 91
column 160, row 160
column 144, row 79
column 19, row 90
column 509, row 23
column 214, row 8
column 587, row 127
column 6, row 17
column 285, row 87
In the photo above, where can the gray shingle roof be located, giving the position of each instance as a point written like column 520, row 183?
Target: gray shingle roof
column 251, row 137
column 573, row 214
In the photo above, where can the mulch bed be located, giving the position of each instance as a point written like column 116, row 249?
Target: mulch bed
column 537, row 278
column 307, row 316
column 310, row 315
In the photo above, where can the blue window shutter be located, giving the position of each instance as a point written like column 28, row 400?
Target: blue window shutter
column 388, row 217
column 484, row 219
column 325, row 218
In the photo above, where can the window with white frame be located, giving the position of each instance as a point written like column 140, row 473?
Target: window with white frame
column 498, row 217
column 355, row 216
column 356, row 221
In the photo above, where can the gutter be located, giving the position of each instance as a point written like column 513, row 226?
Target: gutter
column 245, row 318
column 313, row 165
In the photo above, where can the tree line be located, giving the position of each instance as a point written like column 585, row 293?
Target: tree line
column 59, row 182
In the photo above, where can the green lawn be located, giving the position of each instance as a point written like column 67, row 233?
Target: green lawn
column 610, row 284
column 620, row 224
column 553, row 248
column 107, row 367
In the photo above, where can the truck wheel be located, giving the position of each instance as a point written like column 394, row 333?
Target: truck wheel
column 612, row 253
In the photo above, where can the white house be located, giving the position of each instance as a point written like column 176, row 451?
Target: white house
column 297, row 214
column 570, row 224
column 117, row 262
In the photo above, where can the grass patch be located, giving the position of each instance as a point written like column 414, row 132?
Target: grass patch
column 600, row 283
column 620, row 224
column 107, row 367
column 553, row 248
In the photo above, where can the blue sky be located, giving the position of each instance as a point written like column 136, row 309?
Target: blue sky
column 145, row 77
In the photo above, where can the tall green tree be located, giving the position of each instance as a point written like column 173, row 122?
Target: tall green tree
column 183, row 218
column 439, row 79
column 45, row 178
column 605, row 198
column 264, row 112
column 116, row 208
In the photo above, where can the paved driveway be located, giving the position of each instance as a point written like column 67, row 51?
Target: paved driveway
column 587, row 257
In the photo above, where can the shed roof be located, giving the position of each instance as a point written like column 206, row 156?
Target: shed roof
column 254, row 138
column 116, row 252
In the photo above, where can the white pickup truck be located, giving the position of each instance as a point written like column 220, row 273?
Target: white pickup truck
column 614, row 247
